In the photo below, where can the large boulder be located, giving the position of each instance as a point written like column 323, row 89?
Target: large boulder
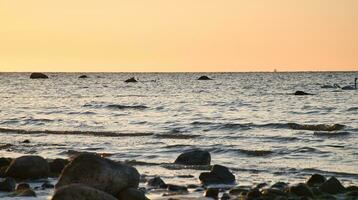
column 28, row 167
column 315, row 180
column 194, row 157
column 80, row 192
column 100, row 173
column 37, row 75
column 218, row 175
column 57, row 165
column 332, row 186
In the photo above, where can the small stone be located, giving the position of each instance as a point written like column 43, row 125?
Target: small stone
column 218, row 175
column 26, row 141
column 212, row 193
column 8, row 185
column 47, row 185
column 315, row 180
column 194, row 157
column 332, row 186
column 300, row 93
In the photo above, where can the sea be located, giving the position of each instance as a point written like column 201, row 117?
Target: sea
column 249, row 122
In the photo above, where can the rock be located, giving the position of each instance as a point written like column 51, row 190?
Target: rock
column 204, row 78
column 225, row 196
column 131, row 80
column 176, row 188
column 332, row 186
column 300, row 93
column 301, row 190
column 212, row 193
column 4, row 162
column 47, row 185
column 194, row 157
column 83, row 76
column 132, row 194
column 22, row 186
column 2, row 171
column 238, row 190
column 26, row 141
column 57, row 165
column 272, row 193
column 80, row 192
column 315, row 180
column 156, row 182
column 24, row 193
column 352, row 188
column 99, row 173
column 253, row 194
column 28, row 167
column 218, row 175
column 38, row 76
column 7, row 185
column 280, row 186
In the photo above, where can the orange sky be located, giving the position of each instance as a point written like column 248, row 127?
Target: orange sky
column 178, row 35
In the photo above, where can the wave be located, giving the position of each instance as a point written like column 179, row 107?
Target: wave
column 89, row 133
column 331, row 134
column 176, row 136
column 114, row 106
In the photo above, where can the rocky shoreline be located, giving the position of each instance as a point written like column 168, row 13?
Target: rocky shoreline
column 92, row 176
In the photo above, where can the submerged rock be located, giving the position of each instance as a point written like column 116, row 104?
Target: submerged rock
column 28, row 167
column 299, row 93
column 132, row 194
column 301, row 190
column 131, row 80
column 194, row 157
column 204, row 78
column 315, row 180
column 332, row 186
column 218, row 175
column 80, row 192
column 7, row 185
column 99, row 173
column 156, row 182
column 37, row 75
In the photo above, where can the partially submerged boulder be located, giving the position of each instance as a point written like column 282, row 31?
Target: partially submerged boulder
column 332, row 186
column 156, row 182
column 315, row 180
column 28, row 167
column 194, row 157
column 131, row 80
column 83, row 76
column 57, row 165
column 37, row 75
column 300, row 93
column 204, row 78
column 99, row 173
column 301, row 190
column 218, row 175
column 80, row 192
column 132, row 194
column 7, row 185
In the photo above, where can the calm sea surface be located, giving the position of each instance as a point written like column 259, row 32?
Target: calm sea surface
column 249, row 122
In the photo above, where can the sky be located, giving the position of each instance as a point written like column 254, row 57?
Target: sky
column 178, row 35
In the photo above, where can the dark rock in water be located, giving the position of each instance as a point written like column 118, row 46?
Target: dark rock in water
column 80, row 192
column 176, row 188
column 5, row 162
column 301, row 190
column 225, row 196
column 253, row 194
column 37, row 75
column 352, row 188
column 204, row 78
column 100, row 173
column 218, row 175
column 57, row 165
column 7, row 185
column 47, row 185
column 156, row 182
column 2, row 171
column 212, row 193
column 332, row 186
column 83, row 76
column 301, row 93
column 238, row 190
column 280, row 186
column 132, row 194
column 131, row 80
column 24, row 193
column 26, row 141
column 315, row 180
column 22, row 186
column 192, row 186
column 28, row 167
column 194, row 157
column 272, row 193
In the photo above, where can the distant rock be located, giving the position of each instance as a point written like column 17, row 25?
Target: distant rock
column 301, row 190
column 131, row 80
column 300, row 93
column 204, row 78
column 194, row 157
column 28, row 167
column 7, row 185
column 332, row 186
column 37, row 75
column 315, row 180
column 132, row 194
column 99, row 173
column 57, row 165
column 218, row 175
column 83, row 76
column 80, row 192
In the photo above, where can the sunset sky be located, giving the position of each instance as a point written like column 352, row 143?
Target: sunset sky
column 178, row 35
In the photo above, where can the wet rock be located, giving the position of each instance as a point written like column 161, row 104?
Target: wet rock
column 176, row 188
column 301, row 190
column 332, row 186
column 225, row 196
column 194, row 157
column 352, row 188
column 193, row 186
column 204, row 78
column 7, row 185
column 218, row 175
column 37, row 75
column 83, row 76
column 300, row 93
column 212, row 193
column 80, row 192
column 99, row 173
column 28, row 167
column 131, row 80
column 22, row 186
column 24, row 193
column 156, row 182
column 253, row 194
column 132, row 194
column 47, row 185
column 272, row 193
column 5, row 162
column 280, row 186
column 315, row 180
column 57, row 165
column 26, row 141
column 238, row 190
column 261, row 185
